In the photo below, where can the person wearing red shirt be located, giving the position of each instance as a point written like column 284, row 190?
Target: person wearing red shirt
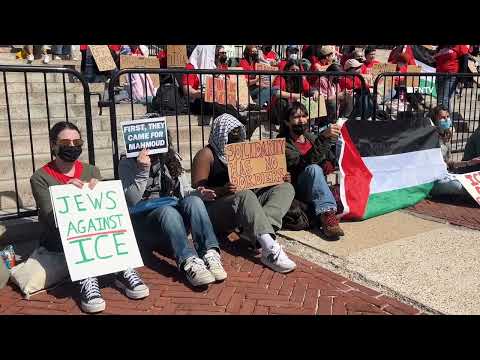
column 260, row 94
column 448, row 61
column 289, row 89
column 191, row 86
column 370, row 60
column 402, row 49
column 350, row 83
column 268, row 55
column 291, row 54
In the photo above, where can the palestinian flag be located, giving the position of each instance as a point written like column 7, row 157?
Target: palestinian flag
column 387, row 165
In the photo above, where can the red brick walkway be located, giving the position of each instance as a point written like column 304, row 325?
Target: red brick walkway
column 250, row 289
column 456, row 213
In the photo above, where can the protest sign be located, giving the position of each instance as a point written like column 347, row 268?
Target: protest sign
column 413, row 80
column 148, row 134
column 256, row 164
column 218, row 83
column 265, row 80
column 95, row 228
column 315, row 109
column 380, row 68
column 177, row 56
column 471, row 183
column 135, row 62
column 103, row 57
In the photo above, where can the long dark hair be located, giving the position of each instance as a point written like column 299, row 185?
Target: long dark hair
column 289, row 111
column 170, row 158
column 294, row 83
column 59, row 127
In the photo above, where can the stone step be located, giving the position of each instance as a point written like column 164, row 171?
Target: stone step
column 15, row 77
column 58, row 110
column 39, row 98
column 52, row 87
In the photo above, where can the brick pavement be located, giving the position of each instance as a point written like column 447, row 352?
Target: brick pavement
column 250, row 289
column 450, row 209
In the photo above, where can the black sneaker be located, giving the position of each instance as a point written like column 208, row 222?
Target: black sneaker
column 132, row 284
column 91, row 300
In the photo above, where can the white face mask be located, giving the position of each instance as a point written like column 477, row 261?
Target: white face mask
column 293, row 57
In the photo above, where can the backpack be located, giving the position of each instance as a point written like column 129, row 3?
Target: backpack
column 168, row 99
column 297, row 217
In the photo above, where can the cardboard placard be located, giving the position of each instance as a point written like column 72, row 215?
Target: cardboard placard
column 265, row 79
column 230, row 92
column 317, row 108
column 380, row 68
column 471, row 183
column 256, row 164
column 103, row 57
column 148, row 134
column 95, row 228
column 413, row 80
column 135, row 62
column 177, row 56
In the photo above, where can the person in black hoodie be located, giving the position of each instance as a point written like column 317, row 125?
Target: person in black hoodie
column 305, row 153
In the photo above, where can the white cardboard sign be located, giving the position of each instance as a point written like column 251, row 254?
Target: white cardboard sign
column 95, row 227
column 471, row 183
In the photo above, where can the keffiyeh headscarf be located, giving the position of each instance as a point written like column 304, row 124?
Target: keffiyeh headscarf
column 221, row 127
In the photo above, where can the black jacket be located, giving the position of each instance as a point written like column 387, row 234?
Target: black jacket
column 296, row 162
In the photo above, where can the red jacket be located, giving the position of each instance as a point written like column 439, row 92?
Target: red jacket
column 366, row 66
column 447, row 59
column 392, row 58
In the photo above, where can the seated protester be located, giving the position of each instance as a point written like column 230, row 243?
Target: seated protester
column 259, row 94
column 221, row 58
column 338, row 102
column 350, row 83
column 305, row 154
column 370, row 60
column 291, row 54
column 346, row 51
column 203, row 57
column 449, row 185
column 322, row 57
column 148, row 177
column 289, row 89
column 257, row 213
column 66, row 146
column 268, row 56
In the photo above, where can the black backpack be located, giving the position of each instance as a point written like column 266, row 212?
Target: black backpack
column 169, row 99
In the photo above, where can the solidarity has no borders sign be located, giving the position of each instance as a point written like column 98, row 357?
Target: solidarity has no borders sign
column 150, row 134
column 95, row 228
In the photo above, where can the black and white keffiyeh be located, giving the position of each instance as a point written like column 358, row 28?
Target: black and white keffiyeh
column 221, row 127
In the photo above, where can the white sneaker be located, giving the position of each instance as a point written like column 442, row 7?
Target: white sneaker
column 276, row 259
column 91, row 300
column 30, row 58
column 56, row 57
column 214, row 264
column 197, row 273
column 46, row 59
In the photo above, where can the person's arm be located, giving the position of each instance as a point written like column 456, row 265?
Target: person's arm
column 202, row 163
column 41, row 194
column 191, row 92
column 134, row 180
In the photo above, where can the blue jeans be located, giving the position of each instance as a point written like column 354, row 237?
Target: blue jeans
column 445, row 89
column 262, row 95
column 172, row 224
column 61, row 49
column 313, row 189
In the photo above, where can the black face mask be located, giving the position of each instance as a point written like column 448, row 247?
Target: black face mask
column 234, row 137
column 222, row 59
column 254, row 57
column 69, row 153
column 299, row 129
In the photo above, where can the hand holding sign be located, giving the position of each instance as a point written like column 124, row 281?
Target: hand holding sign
column 143, row 160
column 332, row 132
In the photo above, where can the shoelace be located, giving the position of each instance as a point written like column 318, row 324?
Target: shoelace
column 330, row 219
column 90, row 286
column 194, row 266
column 132, row 277
column 213, row 258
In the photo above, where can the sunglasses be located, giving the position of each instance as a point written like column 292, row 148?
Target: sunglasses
column 222, row 53
column 67, row 142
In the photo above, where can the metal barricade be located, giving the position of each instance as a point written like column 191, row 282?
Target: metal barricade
column 32, row 99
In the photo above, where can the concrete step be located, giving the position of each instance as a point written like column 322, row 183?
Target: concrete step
column 52, row 87
column 39, row 98
column 15, row 77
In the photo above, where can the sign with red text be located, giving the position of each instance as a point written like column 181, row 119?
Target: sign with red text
column 220, row 91
column 471, row 183
column 256, row 164
column 95, row 228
